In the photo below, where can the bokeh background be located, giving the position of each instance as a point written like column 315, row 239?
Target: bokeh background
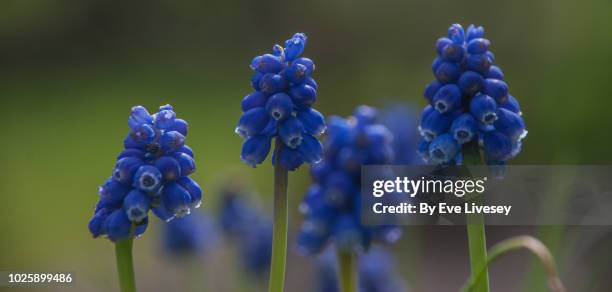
column 71, row 70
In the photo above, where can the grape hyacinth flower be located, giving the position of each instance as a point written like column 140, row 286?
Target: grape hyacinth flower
column 470, row 112
column 151, row 173
column 469, row 104
column 376, row 272
column 189, row 235
column 250, row 229
column 331, row 205
column 280, row 108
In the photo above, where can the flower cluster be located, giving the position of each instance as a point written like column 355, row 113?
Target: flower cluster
column 151, row 173
column 250, row 229
column 189, row 235
column 281, row 108
column 331, row 205
column 376, row 272
column 469, row 101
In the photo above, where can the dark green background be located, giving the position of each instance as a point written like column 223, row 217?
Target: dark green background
column 71, row 70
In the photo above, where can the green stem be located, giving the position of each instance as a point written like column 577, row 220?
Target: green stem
column 478, row 251
column 516, row 243
column 125, row 265
column 347, row 273
column 475, row 227
column 279, row 237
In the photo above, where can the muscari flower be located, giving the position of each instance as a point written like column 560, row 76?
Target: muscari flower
column 469, row 102
column 331, row 205
column 151, row 173
column 189, row 235
column 250, row 229
column 376, row 272
column 280, row 107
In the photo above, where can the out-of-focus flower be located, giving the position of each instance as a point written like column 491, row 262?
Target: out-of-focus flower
column 249, row 228
column 151, row 173
column 281, row 108
column 469, row 102
column 331, row 205
column 189, row 235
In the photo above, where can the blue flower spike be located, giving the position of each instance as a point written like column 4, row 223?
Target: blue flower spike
column 281, row 108
column 469, row 102
column 151, row 173
column 331, row 205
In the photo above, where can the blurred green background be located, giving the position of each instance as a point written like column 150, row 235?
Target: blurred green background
column 71, row 70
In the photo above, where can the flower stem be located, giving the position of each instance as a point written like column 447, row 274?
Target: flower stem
column 347, row 273
column 279, row 237
column 125, row 264
column 475, row 228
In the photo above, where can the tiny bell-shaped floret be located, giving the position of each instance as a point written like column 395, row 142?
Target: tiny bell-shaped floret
column 267, row 64
column 443, row 149
column 294, row 47
column 169, row 168
column 497, row 146
column 176, row 199
column 510, row 124
column 194, row 190
column 138, row 116
column 448, row 98
column 252, row 122
column 484, row 108
column 303, row 95
column 147, row 178
column 255, row 149
column 164, row 119
column 464, row 128
column 253, row 100
column 313, row 121
column 291, row 132
column 186, row 163
column 171, row 141
column 125, row 169
column 273, row 83
column 136, row 205
column 279, row 106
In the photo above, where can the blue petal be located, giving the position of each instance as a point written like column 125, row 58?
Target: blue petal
column 147, row 178
column 194, row 190
column 311, row 149
column 484, row 108
column 279, row 106
column 136, row 205
column 171, row 141
column 186, row 162
column 273, row 83
column 447, row 99
column 267, row 64
column 255, row 149
column 125, row 169
column 252, row 122
column 290, row 132
column 313, row 121
column 303, row 95
column 443, row 149
column 464, row 128
column 169, row 168
column 176, row 199
column 253, row 100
